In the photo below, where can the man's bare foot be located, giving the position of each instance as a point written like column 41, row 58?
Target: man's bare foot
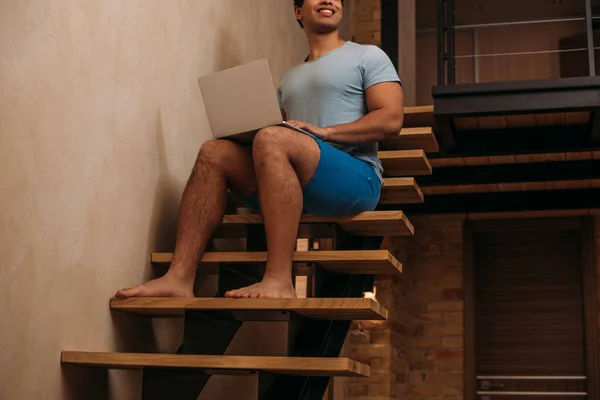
column 269, row 288
column 166, row 286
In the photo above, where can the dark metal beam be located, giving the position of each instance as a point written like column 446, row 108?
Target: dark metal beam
column 389, row 29
column 509, row 201
column 511, row 173
column 505, row 98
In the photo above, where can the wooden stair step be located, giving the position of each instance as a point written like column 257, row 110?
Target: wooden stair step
column 414, row 138
column 511, row 159
column 401, row 191
column 346, row 261
column 394, row 191
column 574, row 184
column 326, row 308
column 418, row 116
column 370, row 223
column 304, row 366
column 405, row 163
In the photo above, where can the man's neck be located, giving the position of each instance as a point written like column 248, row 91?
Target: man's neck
column 322, row 44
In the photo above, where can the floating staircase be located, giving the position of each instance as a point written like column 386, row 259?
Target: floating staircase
column 339, row 274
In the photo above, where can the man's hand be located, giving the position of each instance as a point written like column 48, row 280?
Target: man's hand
column 321, row 133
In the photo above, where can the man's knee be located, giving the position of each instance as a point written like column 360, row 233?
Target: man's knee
column 214, row 152
column 269, row 140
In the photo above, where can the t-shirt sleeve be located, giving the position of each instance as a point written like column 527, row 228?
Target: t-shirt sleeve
column 377, row 68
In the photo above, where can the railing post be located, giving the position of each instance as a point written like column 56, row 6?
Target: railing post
column 590, row 37
column 445, row 25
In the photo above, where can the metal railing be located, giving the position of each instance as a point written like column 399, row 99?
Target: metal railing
column 446, row 39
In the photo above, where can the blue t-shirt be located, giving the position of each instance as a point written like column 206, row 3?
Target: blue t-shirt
column 331, row 91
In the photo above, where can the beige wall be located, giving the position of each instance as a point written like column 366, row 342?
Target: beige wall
column 100, row 121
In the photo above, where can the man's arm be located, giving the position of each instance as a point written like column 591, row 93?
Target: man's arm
column 385, row 102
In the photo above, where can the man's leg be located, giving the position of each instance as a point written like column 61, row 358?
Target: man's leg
column 219, row 163
column 284, row 161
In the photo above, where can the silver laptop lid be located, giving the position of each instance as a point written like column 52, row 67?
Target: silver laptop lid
column 240, row 99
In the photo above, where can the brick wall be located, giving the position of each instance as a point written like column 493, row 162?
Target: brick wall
column 379, row 344
column 418, row 353
column 434, row 324
column 365, row 21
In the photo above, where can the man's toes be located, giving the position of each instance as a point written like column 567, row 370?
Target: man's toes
column 128, row 292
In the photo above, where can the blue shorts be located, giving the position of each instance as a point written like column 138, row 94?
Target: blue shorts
column 342, row 185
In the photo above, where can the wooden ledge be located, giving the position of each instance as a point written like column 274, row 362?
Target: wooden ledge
column 303, row 366
column 346, row 261
column 508, row 159
column 316, row 308
column 401, row 163
column 418, row 116
column 370, row 223
column 401, row 191
column 512, row 187
column 414, row 138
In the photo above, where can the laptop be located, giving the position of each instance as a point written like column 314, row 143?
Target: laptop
column 242, row 100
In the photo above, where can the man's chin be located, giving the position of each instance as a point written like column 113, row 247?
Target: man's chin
column 325, row 28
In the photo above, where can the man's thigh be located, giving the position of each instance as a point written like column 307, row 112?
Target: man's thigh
column 341, row 185
column 302, row 150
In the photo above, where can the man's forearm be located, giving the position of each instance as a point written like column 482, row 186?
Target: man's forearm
column 376, row 126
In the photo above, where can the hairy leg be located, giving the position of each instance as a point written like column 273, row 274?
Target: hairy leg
column 219, row 163
column 284, row 161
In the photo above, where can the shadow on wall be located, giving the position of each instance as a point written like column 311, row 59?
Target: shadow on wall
column 167, row 196
column 228, row 51
column 84, row 383
column 131, row 333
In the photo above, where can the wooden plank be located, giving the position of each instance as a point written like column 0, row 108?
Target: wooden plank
column 502, row 159
column 369, row 223
column 326, row 308
column 394, row 191
column 305, row 366
column 533, row 186
column 578, row 118
column 512, row 187
column 347, row 261
column 520, row 120
column 473, row 161
column 529, row 158
column 508, row 187
column 551, row 119
column 579, row 156
column 414, row 138
column 466, row 124
column 418, row 116
column 528, row 214
column 401, row 191
column 402, row 163
column 492, row 122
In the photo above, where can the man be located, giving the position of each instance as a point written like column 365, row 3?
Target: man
column 349, row 97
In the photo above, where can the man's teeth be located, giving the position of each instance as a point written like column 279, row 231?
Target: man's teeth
column 328, row 12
